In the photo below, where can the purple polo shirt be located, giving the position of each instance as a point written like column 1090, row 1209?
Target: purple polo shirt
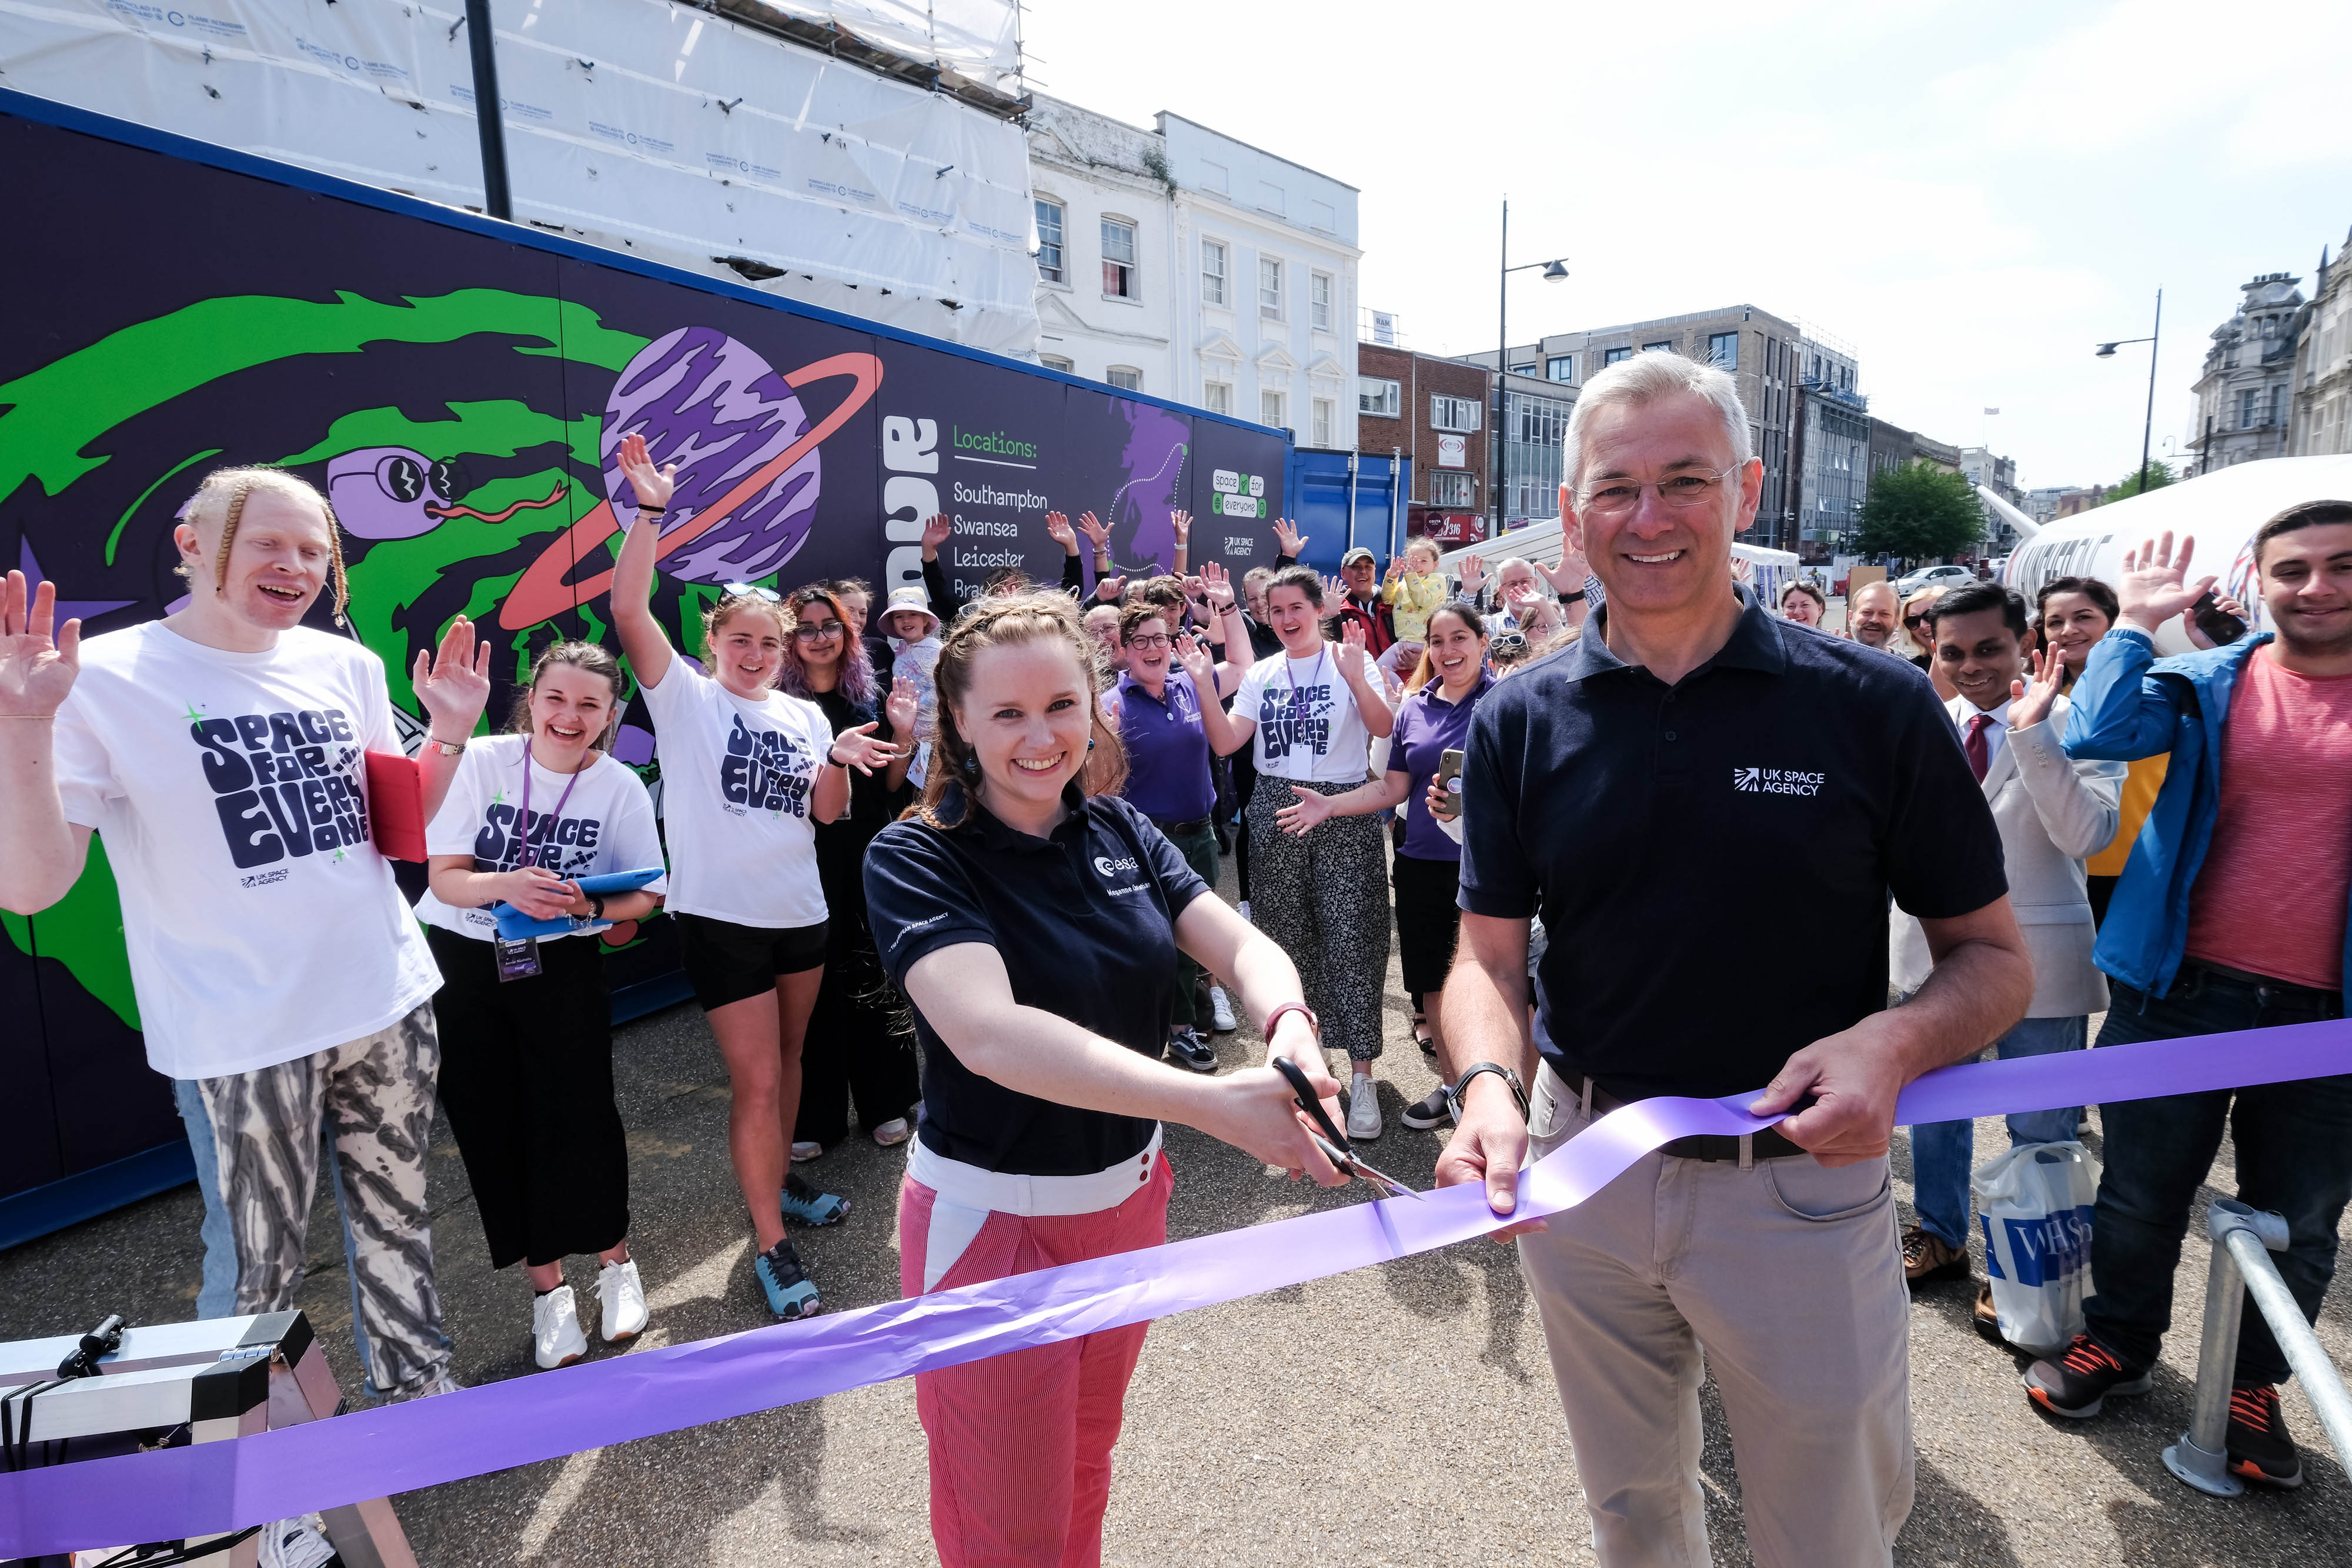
column 1168, row 776
column 1426, row 727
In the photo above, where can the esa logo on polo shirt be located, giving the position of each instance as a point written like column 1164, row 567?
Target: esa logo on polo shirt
column 1775, row 781
column 1111, row 867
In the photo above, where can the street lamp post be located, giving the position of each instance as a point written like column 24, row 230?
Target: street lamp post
column 1553, row 271
column 2147, row 427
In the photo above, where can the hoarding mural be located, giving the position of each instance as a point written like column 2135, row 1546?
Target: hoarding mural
column 461, row 398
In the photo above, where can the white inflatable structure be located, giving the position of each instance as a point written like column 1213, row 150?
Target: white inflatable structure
column 2220, row 511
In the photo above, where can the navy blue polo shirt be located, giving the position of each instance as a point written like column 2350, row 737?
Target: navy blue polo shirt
column 1712, row 858
column 1084, row 921
column 1168, row 776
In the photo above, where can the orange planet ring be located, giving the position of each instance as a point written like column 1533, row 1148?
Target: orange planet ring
column 541, row 592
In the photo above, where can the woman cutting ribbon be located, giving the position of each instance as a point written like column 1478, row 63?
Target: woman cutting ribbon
column 526, row 1026
column 1042, row 1098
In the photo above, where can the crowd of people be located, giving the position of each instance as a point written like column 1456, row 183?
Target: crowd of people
column 957, row 880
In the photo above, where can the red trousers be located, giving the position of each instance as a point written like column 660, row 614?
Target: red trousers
column 1020, row 1444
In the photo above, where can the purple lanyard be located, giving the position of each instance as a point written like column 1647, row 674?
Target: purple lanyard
column 560, row 801
column 1321, row 654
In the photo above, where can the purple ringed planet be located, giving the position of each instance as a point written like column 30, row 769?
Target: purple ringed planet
column 542, row 592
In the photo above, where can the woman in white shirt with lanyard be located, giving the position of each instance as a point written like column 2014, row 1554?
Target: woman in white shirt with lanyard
column 746, row 774
column 526, row 1026
column 1035, row 927
column 1310, row 713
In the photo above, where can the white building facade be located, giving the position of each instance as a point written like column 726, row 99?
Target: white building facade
column 1266, row 329
column 1104, row 245
column 2323, row 364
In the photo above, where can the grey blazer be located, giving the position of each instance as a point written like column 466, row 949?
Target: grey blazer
column 2053, row 812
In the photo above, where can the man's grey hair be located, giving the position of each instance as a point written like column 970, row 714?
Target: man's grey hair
column 1646, row 378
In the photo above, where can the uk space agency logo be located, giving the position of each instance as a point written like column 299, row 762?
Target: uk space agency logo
column 1775, row 781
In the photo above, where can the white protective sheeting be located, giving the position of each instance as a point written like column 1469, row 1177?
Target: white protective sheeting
column 981, row 38
column 641, row 125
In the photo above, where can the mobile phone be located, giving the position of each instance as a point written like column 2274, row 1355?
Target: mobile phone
column 1449, row 784
column 2215, row 622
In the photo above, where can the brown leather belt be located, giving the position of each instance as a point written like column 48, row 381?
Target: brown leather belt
column 1771, row 1144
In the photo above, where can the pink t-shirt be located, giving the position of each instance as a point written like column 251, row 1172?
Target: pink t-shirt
column 2270, row 898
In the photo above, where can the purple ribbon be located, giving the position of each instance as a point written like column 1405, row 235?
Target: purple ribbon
column 212, row 1487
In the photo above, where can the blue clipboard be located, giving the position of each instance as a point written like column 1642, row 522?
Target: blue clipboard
column 514, row 926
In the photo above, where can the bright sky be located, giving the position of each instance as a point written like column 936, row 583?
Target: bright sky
column 1973, row 195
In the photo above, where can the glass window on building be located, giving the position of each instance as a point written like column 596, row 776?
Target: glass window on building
column 1657, row 348
column 1217, row 397
column 1213, row 272
column 1535, row 429
column 1451, row 490
column 1460, row 413
column 1318, row 301
column 1126, row 378
column 2246, row 408
column 1561, row 368
column 1118, row 258
column 1056, row 362
column 1049, row 242
column 1616, row 356
column 1269, row 287
column 2278, row 406
column 1723, row 351
column 1321, row 431
column 1379, row 395
column 1269, row 409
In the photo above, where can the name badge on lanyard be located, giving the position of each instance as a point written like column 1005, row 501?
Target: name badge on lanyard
column 520, row 960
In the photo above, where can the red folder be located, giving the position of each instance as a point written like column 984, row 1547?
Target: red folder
column 396, row 787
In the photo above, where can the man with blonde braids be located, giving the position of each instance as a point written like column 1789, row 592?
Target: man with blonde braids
column 221, row 753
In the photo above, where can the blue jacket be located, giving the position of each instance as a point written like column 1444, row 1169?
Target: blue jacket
column 2128, row 704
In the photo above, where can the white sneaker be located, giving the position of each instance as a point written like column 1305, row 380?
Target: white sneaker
column 620, row 1302
column 1244, row 907
column 1220, row 1010
column 803, row 1153
column 1363, row 1110
column 556, row 1339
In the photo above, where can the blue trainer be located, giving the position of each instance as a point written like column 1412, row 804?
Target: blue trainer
column 791, row 1293
column 809, row 1207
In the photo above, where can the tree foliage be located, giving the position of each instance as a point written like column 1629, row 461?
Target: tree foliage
column 2159, row 475
column 1919, row 512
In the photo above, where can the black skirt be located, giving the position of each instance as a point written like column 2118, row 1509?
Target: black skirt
column 1428, row 920
column 526, row 1081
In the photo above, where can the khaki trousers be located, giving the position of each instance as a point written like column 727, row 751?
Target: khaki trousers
column 1788, row 1278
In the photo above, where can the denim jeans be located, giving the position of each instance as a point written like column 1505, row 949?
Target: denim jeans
column 2294, row 1156
column 1943, row 1153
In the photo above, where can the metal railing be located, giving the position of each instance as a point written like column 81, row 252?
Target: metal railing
column 2243, row 1240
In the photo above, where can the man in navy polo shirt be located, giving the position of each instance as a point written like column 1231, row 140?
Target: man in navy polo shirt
column 1630, row 789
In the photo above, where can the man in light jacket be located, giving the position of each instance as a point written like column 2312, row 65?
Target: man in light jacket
column 2050, row 812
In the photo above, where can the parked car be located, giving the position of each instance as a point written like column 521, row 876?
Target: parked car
column 1934, row 577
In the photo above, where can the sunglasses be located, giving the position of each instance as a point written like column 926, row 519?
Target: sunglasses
column 750, row 590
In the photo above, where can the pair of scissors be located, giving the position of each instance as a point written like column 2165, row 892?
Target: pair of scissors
column 1333, row 1142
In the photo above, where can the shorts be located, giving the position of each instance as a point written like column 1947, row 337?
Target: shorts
column 1428, row 919
column 728, row 963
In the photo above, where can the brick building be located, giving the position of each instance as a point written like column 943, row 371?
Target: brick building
column 1435, row 411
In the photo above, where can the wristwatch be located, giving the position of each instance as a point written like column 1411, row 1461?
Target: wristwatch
column 595, row 905
column 1518, row 1090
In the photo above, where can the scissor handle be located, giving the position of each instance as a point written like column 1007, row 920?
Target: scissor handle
column 1304, row 1094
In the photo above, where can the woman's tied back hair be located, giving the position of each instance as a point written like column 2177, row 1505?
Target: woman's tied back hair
column 594, row 659
column 731, row 605
column 996, row 622
column 222, row 497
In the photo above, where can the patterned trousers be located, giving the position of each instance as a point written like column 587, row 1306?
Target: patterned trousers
column 1324, row 897
column 257, row 1138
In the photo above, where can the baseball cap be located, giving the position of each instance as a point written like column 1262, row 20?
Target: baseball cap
column 1352, row 556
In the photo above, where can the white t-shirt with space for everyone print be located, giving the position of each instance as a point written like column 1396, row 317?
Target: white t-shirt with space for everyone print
column 1308, row 726
column 229, row 791
column 736, row 780
column 606, row 824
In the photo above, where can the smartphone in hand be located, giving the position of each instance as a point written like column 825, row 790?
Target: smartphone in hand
column 2216, row 623
column 1449, row 784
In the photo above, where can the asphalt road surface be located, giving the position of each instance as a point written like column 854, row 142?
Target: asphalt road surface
column 1398, row 1414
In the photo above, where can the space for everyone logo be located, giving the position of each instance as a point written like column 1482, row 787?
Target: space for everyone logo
column 285, row 784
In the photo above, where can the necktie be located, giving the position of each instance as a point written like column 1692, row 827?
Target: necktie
column 1979, row 752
